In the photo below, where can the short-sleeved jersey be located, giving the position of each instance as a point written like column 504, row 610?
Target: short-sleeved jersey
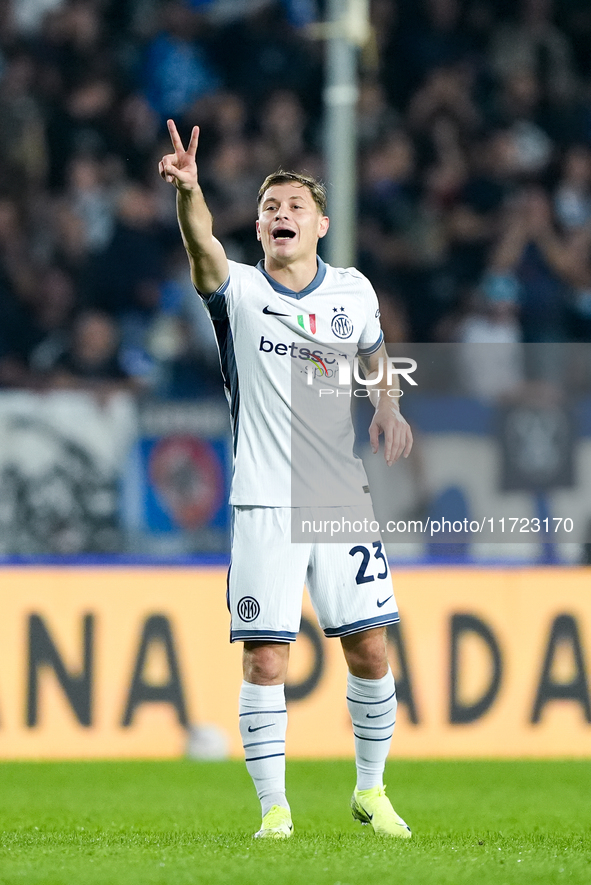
column 265, row 332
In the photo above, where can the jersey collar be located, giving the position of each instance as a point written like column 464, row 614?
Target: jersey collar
column 283, row 290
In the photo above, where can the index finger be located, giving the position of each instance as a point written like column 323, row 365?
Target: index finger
column 175, row 137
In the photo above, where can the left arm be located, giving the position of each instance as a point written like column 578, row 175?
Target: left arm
column 387, row 418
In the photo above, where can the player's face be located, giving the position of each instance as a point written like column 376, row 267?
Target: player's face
column 289, row 223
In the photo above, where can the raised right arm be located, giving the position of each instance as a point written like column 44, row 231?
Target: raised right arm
column 209, row 265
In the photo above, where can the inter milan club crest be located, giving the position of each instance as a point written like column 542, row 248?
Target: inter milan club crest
column 341, row 325
column 248, row 608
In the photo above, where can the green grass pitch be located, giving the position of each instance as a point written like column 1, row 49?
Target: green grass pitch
column 181, row 822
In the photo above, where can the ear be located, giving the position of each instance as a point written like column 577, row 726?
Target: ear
column 323, row 225
column 258, row 227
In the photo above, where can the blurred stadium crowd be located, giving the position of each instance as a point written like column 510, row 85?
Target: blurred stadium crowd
column 474, row 198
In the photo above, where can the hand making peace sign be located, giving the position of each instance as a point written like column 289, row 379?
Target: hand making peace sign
column 180, row 168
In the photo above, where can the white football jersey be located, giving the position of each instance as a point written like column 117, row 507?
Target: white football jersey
column 270, row 337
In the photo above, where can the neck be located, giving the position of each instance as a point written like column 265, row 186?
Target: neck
column 295, row 276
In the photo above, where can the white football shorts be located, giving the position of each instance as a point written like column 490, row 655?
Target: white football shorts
column 350, row 584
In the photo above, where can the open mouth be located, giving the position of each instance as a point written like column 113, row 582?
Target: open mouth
column 283, row 234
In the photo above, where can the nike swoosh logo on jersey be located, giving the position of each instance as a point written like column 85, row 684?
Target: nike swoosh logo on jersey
column 273, row 313
column 258, row 727
column 377, row 715
column 384, row 601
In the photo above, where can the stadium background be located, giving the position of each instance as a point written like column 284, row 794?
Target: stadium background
column 473, row 223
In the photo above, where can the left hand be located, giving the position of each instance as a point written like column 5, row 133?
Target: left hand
column 396, row 430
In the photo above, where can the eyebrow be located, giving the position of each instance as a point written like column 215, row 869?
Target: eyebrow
column 275, row 200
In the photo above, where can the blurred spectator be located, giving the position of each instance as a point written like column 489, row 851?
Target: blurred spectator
column 402, row 238
column 123, row 279
column 181, row 338
column 446, row 90
column 92, row 360
column 532, row 42
column 375, row 117
column 428, row 34
column 232, row 182
column 223, row 117
column 123, row 276
column 571, row 253
column 55, row 303
column 261, row 52
column 490, row 356
column 15, row 258
column 281, row 141
column 91, row 202
column 474, row 219
column 493, row 317
column 138, row 129
column 575, row 20
column 389, row 200
column 530, row 249
column 177, row 70
column 519, row 112
column 22, row 134
column 27, row 15
column 572, row 199
column 17, row 287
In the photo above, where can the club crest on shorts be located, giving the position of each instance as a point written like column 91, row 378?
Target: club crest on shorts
column 341, row 325
column 248, row 608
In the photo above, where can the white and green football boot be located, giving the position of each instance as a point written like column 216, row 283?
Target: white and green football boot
column 276, row 824
column 373, row 807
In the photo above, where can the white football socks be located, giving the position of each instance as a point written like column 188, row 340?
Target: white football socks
column 372, row 705
column 263, row 723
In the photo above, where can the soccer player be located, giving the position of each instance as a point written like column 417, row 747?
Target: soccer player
column 267, row 319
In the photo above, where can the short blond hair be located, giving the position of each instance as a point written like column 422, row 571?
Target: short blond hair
column 316, row 188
